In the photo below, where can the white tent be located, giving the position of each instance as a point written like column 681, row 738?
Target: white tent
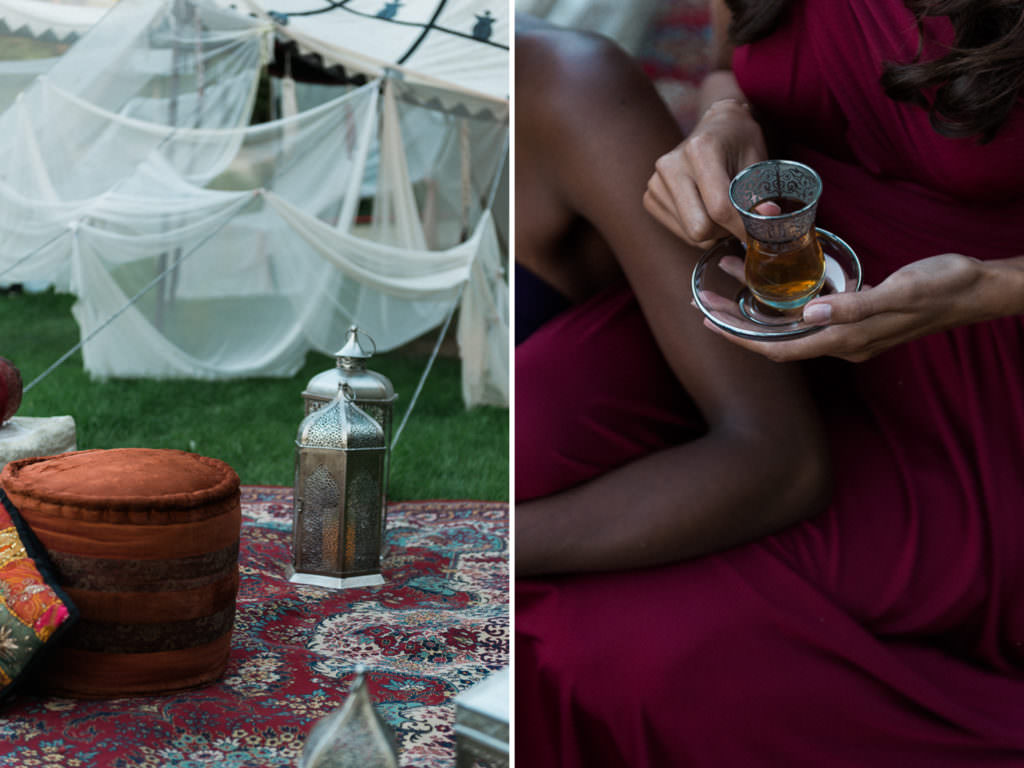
column 55, row 26
column 199, row 245
column 64, row 22
column 457, row 45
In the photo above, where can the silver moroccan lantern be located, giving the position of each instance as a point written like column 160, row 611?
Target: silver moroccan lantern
column 481, row 723
column 373, row 391
column 339, row 520
column 352, row 736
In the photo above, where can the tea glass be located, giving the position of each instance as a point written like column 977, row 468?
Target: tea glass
column 784, row 265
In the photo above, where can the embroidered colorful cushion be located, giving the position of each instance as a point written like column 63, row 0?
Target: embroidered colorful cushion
column 34, row 610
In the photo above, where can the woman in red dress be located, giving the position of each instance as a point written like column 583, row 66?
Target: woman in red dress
column 811, row 553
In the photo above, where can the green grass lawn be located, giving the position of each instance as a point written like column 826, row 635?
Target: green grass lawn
column 446, row 451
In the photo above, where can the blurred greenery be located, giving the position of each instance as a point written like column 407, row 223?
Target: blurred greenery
column 18, row 47
column 446, row 451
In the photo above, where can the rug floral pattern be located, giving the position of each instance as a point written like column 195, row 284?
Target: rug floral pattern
column 439, row 625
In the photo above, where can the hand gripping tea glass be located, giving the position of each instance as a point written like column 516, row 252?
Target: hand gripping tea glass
column 784, row 264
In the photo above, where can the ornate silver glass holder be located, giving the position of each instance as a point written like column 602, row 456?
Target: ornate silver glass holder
column 772, row 180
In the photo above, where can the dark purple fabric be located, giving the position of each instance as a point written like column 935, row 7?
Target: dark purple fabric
column 536, row 303
column 888, row 631
column 595, row 402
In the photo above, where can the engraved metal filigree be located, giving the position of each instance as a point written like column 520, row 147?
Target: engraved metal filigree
column 353, row 736
column 371, row 391
column 339, row 497
column 319, row 526
column 771, row 180
column 363, row 518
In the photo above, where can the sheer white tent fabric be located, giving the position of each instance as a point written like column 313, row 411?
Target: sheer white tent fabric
column 200, row 246
column 53, row 25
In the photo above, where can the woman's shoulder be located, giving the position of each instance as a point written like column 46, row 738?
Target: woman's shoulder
column 571, row 69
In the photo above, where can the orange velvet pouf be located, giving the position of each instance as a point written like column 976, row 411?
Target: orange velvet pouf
column 145, row 544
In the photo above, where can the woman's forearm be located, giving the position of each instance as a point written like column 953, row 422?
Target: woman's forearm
column 682, row 502
column 719, row 84
column 1000, row 290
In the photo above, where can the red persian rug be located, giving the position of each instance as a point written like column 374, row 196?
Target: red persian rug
column 439, row 625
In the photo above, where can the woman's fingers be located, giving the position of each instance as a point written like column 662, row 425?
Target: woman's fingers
column 717, row 303
column 851, row 307
column 654, row 205
column 721, row 306
column 689, row 190
column 768, row 208
column 711, row 184
column 681, row 209
column 734, row 267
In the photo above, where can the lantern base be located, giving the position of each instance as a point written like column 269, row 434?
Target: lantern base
column 333, row 582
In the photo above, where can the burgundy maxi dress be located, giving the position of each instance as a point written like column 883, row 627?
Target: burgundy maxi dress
column 888, row 630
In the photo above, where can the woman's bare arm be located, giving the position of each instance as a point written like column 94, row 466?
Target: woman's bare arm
column 594, row 127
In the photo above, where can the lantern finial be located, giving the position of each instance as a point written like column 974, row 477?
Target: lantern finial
column 353, row 352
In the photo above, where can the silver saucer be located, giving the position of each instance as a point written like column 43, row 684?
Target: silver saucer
column 726, row 302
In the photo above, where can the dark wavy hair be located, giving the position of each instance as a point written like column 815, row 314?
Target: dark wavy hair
column 969, row 91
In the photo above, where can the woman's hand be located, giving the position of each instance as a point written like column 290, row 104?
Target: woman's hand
column 689, row 191
column 924, row 297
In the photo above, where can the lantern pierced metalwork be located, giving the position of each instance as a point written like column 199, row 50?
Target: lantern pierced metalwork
column 339, row 524
column 353, row 736
column 371, row 390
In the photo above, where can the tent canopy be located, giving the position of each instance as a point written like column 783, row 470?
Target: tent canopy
column 460, row 46
column 199, row 245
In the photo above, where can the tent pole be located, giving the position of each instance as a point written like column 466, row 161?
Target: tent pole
column 160, row 306
column 465, row 161
column 496, row 181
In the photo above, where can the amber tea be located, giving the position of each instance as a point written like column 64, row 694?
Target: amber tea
column 784, row 275
column 777, row 201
